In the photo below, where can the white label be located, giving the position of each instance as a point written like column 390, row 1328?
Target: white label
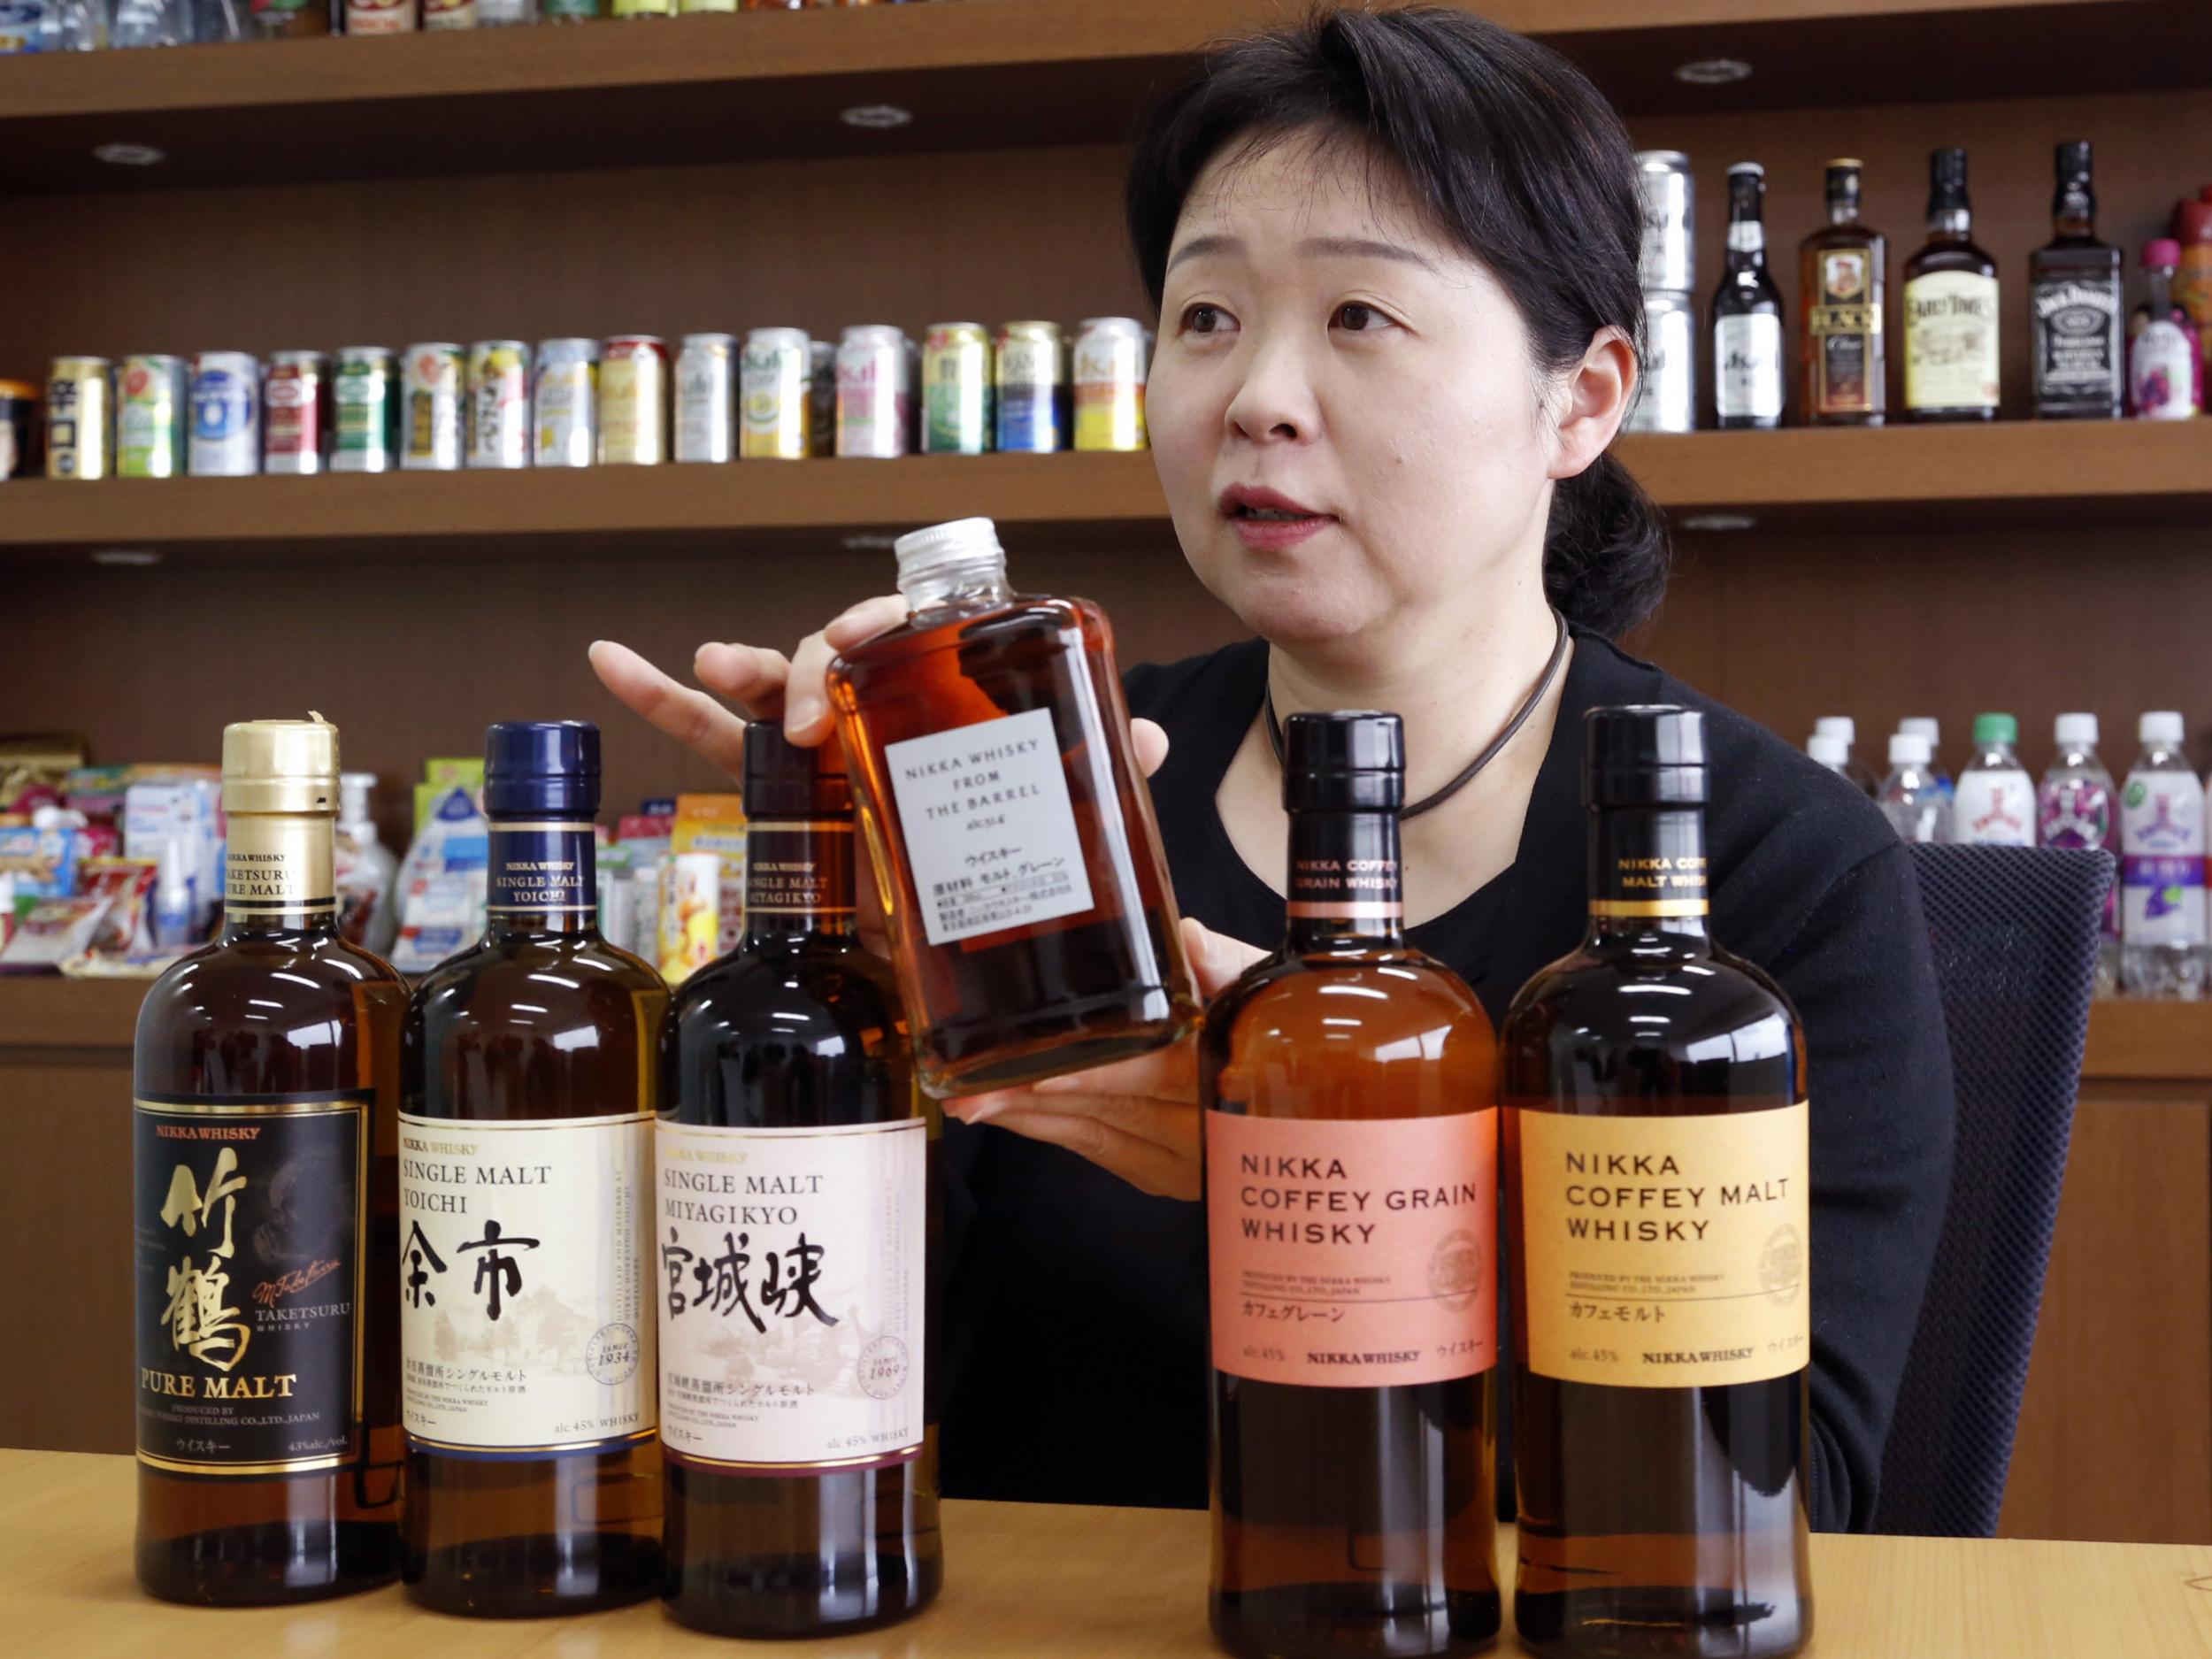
column 989, row 830
column 2161, row 859
column 2162, row 372
column 1994, row 809
column 1747, row 360
column 524, row 1282
column 791, row 1298
column 1951, row 342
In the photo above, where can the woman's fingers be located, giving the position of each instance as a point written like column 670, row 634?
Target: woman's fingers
column 1150, row 739
column 806, row 711
column 750, row 676
column 864, row 621
column 1218, row 960
column 692, row 718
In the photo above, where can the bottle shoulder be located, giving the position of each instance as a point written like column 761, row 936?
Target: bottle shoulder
column 1680, row 998
column 932, row 632
column 751, row 986
column 1400, row 986
column 491, row 978
column 297, row 975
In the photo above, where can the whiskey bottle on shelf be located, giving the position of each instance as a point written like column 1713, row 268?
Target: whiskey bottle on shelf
column 1843, row 282
column 1657, row 1215
column 1746, row 312
column 2079, row 307
column 1031, row 921
column 1351, row 1207
column 1951, row 339
column 529, row 1067
column 265, row 1078
column 797, row 1206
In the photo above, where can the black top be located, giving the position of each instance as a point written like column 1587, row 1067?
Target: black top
column 1076, row 1337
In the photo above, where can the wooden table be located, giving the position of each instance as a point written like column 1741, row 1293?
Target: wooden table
column 1042, row 1581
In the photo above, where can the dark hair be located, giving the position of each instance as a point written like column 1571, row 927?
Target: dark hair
column 1516, row 155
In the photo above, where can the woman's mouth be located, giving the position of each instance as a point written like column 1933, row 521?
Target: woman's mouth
column 1268, row 520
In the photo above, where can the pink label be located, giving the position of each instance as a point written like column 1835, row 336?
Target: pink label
column 1353, row 1252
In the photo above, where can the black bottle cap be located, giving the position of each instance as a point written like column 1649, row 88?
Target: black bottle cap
column 1643, row 755
column 1843, row 178
column 786, row 780
column 1349, row 761
column 2071, row 158
column 549, row 766
column 1947, row 170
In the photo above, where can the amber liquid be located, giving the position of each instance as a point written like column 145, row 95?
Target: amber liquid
column 1029, row 1002
column 516, row 1537
column 799, row 1027
column 1840, row 409
column 283, row 1006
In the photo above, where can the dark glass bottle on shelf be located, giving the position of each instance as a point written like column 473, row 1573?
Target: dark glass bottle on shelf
column 530, row 1064
column 1351, row 1193
column 1746, row 331
column 796, row 1409
column 1031, row 921
column 2079, row 307
column 1843, row 282
column 1657, row 1216
column 267, row 1083
column 1951, row 338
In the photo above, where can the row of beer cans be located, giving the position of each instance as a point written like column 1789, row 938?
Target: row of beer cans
column 776, row 395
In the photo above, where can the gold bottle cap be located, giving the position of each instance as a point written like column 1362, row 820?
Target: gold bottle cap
column 280, row 766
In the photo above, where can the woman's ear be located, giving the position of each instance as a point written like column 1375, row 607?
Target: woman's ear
column 1594, row 401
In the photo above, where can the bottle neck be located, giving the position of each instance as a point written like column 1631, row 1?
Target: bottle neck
column 799, row 878
column 2158, row 289
column 1949, row 219
column 542, row 876
column 1347, row 882
column 970, row 582
column 1843, row 204
column 1747, row 235
column 2074, row 209
column 1648, row 873
column 278, row 874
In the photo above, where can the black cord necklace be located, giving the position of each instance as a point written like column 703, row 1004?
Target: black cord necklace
column 1490, row 753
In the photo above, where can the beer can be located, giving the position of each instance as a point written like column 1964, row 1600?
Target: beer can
column 959, row 400
column 821, row 397
column 499, row 403
column 1666, row 398
column 875, row 391
column 706, row 397
column 364, row 399
column 775, row 380
column 565, row 409
column 633, row 402
column 225, row 440
column 153, row 398
column 1033, row 387
column 1668, row 261
column 433, row 377
column 295, row 412
column 78, row 420
column 1109, row 373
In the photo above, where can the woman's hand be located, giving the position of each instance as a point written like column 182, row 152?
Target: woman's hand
column 1137, row 1118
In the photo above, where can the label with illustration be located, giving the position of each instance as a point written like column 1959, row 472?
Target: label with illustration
column 1845, row 327
column 2161, row 859
column 1748, row 368
column 2077, row 338
column 1951, row 340
column 1994, row 809
column 2162, row 372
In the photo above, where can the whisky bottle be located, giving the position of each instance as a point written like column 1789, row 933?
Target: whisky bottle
column 2075, row 285
column 796, row 1210
column 529, row 1067
column 1656, row 1216
column 1951, row 339
column 1349, row 1086
column 1746, row 312
column 1031, row 922
column 1843, row 280
column 266, row 1080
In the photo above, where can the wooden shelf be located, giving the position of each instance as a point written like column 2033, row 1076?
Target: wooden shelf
column 971, row 73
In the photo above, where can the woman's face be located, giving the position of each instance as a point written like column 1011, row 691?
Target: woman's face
column 1343, row 408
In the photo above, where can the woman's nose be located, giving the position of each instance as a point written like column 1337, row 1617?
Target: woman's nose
column 1275, row 402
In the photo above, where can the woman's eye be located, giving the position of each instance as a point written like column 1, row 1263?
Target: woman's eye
column 1206, row 320
column 1358, row 318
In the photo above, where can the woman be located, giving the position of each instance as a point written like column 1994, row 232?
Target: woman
column 1395, row 256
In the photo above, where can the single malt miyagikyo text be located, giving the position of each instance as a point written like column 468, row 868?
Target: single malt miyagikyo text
column 1951, row 340
column 1031, row 922
column 1351, row 1214
column 1657, row 1219
column 1843, row 287
column 266, row 1075
column 794, row 1210
column 530, row 1059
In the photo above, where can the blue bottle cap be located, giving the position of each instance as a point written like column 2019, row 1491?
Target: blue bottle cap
column 549, row 766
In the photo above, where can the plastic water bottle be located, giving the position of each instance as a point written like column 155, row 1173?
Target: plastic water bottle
column 1843, row 727
column 2161, row 867
column 1830, row 752
column 2074, row 808
column 1926, row 726
column 1994, row 805
column 1915, row 809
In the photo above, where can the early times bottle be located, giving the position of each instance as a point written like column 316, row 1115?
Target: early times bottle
column 1843, row 272
column 1951, row 340
column 1746, row 312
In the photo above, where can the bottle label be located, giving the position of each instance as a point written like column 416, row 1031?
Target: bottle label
column 1749, row 362
column 2078, row 812
column 1345, row 867
column 792, row 1294
column 989, row 828
column 249, row 1223
column 523, row 1318
column 2162, row 372
column 1994, row 809
column 1845, row 327
column 280, row 864
column 1951, row 340
column 542, row 867
column 2161, row 863
column 2076, row 336
column 1665, row 1252
column 797, row 869
column 1353, row 1252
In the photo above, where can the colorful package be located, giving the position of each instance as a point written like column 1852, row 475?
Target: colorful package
column 716, row 823
column 441, row 883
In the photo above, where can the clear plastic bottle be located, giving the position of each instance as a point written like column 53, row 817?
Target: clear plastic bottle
column 1843, row 727
column 1831, row 752
column 1994, row 805
column 2161, row 867
column 1915, row 807
column 1926, row 726
column 2074, row 808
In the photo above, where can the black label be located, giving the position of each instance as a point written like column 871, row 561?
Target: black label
column 797, row 869
column 250, row 1225
column 1648, row 862
column 1344, row 867
column 534, row 867
column 2078, row 336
